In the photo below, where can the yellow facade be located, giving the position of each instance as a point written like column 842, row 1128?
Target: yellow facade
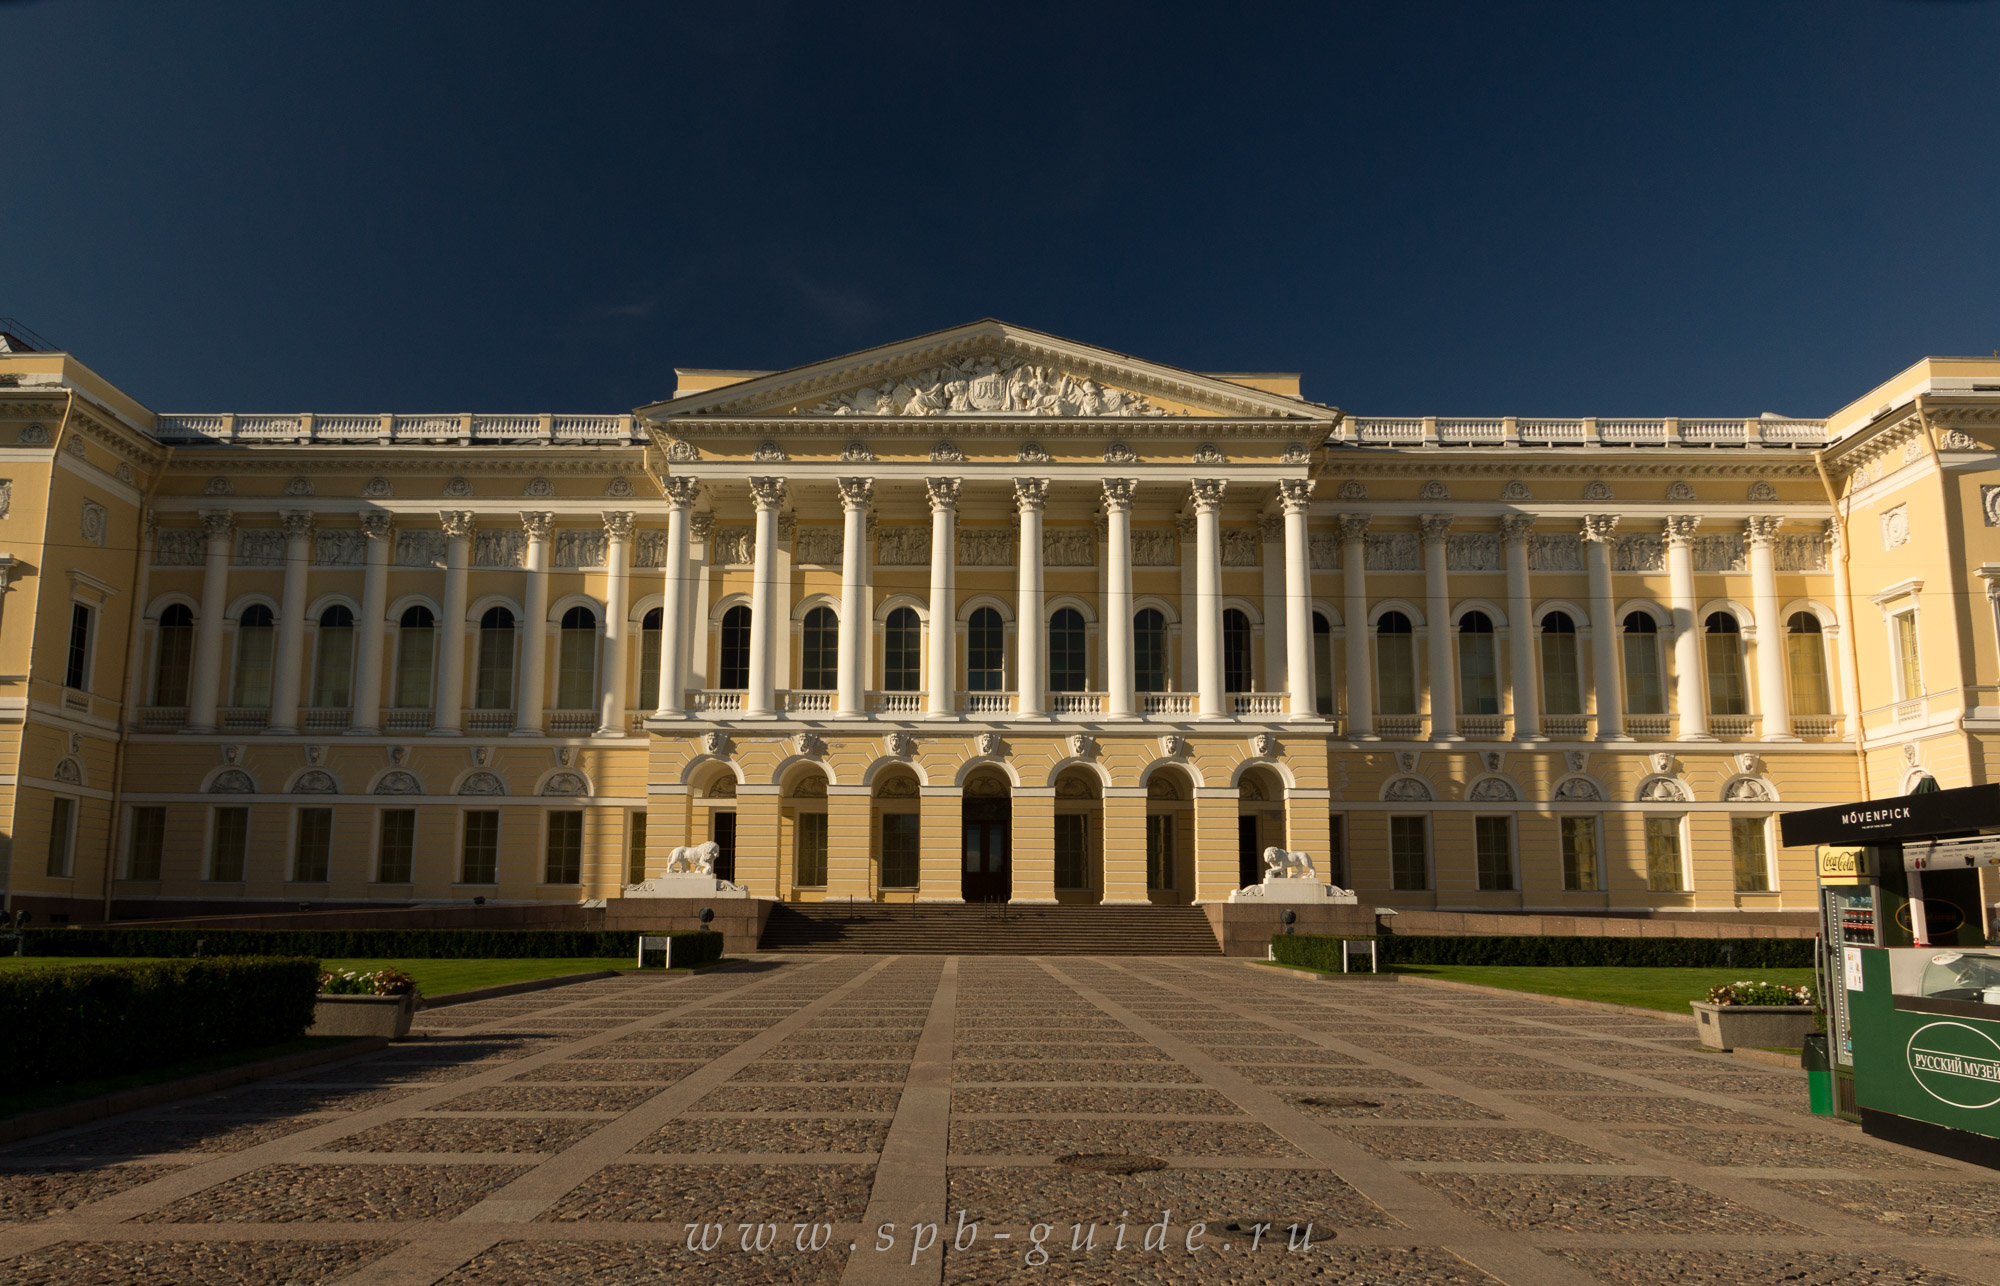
column 1483, row 664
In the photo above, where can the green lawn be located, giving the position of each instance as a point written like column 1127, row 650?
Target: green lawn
column 1642, row 988
column 56, row 1095
column 434, row 977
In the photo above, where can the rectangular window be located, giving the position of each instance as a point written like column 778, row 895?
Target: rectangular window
column 1909, row 673
column 1322, row 666
column 479, row 858
column 1493, row 846
column 1579, row 836
column 1478, row 674
column 1336, row 850
column 809, row 851
column 1409, row 853
column 1663, row 854
column 77, row 673
column 563, row 863
column 62, row 822
column 1562, row 685
column 1159, row 850
column 493, row 683
column 1645, row 688
column 149, row 843
column 312, row 861
column 635, row 848
column 232, row 844
column 901, row 843
column 1396, row 673
column 396, row 860
column 1753, row 867
column 413, row 667
column 651, row 640
column 1726, row 694
column 1072, row 850
column 1149, row 653
column 333, row 677
column 253, row 663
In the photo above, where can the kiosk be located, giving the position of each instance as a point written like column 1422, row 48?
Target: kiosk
column 1912, row 990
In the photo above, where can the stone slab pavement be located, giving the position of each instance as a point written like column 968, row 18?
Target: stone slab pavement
column 926, row 1119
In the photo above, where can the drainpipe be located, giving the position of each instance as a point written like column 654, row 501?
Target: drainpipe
column 1847, row 605
column 114, row 832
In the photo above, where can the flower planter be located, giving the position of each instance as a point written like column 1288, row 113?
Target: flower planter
column 362, row 1015
column 1727, row 1027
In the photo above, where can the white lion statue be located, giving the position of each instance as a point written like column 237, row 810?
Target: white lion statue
column 698, row 859
column 1280, row 864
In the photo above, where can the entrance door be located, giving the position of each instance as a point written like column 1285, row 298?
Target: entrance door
column 1249, row 858
column 724, row 824
column 987, row 873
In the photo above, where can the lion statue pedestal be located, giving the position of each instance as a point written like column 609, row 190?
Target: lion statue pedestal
column 690, row 874
column 1289, row 877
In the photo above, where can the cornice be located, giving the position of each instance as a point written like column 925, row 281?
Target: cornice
column 602, row 462
column 1535, row 462
column 846, row 428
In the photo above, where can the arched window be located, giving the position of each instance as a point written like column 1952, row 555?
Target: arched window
column 733, row 670
column 1149, row 651
column 1322, row 664
column 985, row 652
column 1562, row 683
column 333, row 667
column 1067, row 667
column 819, row 651
column 493, row 685
column 1724, row 643
column 1235, row 651
column 1805, row 650
column 1645, row 689
column 1478, row 665
column 902, row 652
column 416, row 633
column 254, row 631
column 576, row 665
column 1395, row 664
column 173, row 656
column 650, row 639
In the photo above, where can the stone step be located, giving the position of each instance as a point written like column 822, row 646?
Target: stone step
column 983, row 930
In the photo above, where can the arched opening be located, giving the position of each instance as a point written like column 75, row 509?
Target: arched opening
column 1079, row 847
column 576, row 661
column 333, row 665
column 1723, row 643
column 902, row 652
column 1805, row 655
column 493, row 685
column 1562, row 675
column 1067, row 650
column 1260, row 822
column 1322, row 664
column 1645, row 684
column 732, row 672
column 802, row 819
column 1236, row 667
column 173, row 656
column 898, row 836
column 1478, row 665
column 1149, row 651
column 416, row 632
column 651, row 638
column 1169, row 837
column 1395, row 664
column 255, row 633
column 987, row 824
column 819, row 651
column 985, row 652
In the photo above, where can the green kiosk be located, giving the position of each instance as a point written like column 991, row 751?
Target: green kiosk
column 1912, row 989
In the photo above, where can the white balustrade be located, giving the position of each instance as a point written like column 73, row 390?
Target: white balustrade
column 572, row 723
column 1574, row 727
column 163, row 718
column 896, row 702
column 1733, row 727
column 1263, row 705
column 1168, row 703
column 347, row 428
column 1400, row 727
column 244, row 720
column 1549, row 433
column 325, row 718
column 1820, row 727
column 1377, row 432
column 1074, row 703
column 986, row 702
column 1648, row 433
column 800, row 701
column 1713, row 433
column 191, row 428
column 1804, row 433
column 488, row 721
column 715, row 700
column 1471, row 433
column 1482, row 727
column 406, row 720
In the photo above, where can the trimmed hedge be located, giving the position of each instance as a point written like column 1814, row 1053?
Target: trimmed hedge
column 347, row 944
column 1321, row 952
column 688, row 949
column 91, row 1021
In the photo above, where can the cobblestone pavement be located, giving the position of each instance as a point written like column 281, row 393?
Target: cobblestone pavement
column 1095, row 1120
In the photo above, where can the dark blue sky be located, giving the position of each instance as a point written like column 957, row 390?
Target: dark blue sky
column 1595, row 208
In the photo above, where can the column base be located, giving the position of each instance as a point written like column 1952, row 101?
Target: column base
column 1618, row 736
column 1533, row 736
column 442, row 732
column 361, row 732
column 293, row 732
column 942, row 716
column 608, row 732
column 1695, row 736
column 1779, row 736
column 527, row 732
column 1123, row 716
column 1032, row 902
column 941, row 901
column 196, row 728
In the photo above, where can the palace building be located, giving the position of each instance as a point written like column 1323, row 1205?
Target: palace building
column 982, row 615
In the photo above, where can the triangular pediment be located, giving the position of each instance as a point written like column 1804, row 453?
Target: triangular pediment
column 986, row 369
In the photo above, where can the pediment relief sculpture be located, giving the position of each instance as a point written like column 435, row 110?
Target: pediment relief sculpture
column 989, row 385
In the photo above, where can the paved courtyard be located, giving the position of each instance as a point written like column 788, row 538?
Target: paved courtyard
column 828, row 1119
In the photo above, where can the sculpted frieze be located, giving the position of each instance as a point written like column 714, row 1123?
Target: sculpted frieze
column 1722, row 553
column 903, row 546
column 501, row 548
column 1325, row 548
column 579, row 547
column 821, row 545
column 732, row 545
column 1152, row 547
column 1392, row 551
column 179, row 547
column 420, row 547
column 340, row 547
column 1801, row 551
column 260, row 547
column 1474, row 551
column 1069, row 547
column 649, row 548
column 989, row 385
column 985, row 547
column 1639, row 554
column 1555, row 552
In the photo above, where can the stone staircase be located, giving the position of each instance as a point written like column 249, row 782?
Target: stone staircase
column 989, row 929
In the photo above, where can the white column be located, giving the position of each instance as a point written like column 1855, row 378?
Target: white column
column 1207, row 498
column 760, row 701
column 1437, row 607
column 1604, row 631
column 1118, row 493
column 1850, row 681
column 1354, row 589
column 533, row 692
column 670, row 702
column 135, row 642
column 1030, row 631
column 1688, row 693
column 289, row 667
column 1774, row 693
column 371, row 633
column 448, row 701
column 205, row 687
column 855, row 494
column 617, row 625
column 1295, row 494
column 1514, row 531
column 944, row 606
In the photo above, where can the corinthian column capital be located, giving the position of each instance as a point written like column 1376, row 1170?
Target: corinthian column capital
column 680, row 490
column 1118, row 493
column 1433, row 527
column 1207, row 494
column 943, row 491
column 1680, row 528
column 1351, row 526
column 1294, row 494
column 1031, row 493
column 1763, row 529
column 767, row 492
column 1597, row 528
column 856, row 493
